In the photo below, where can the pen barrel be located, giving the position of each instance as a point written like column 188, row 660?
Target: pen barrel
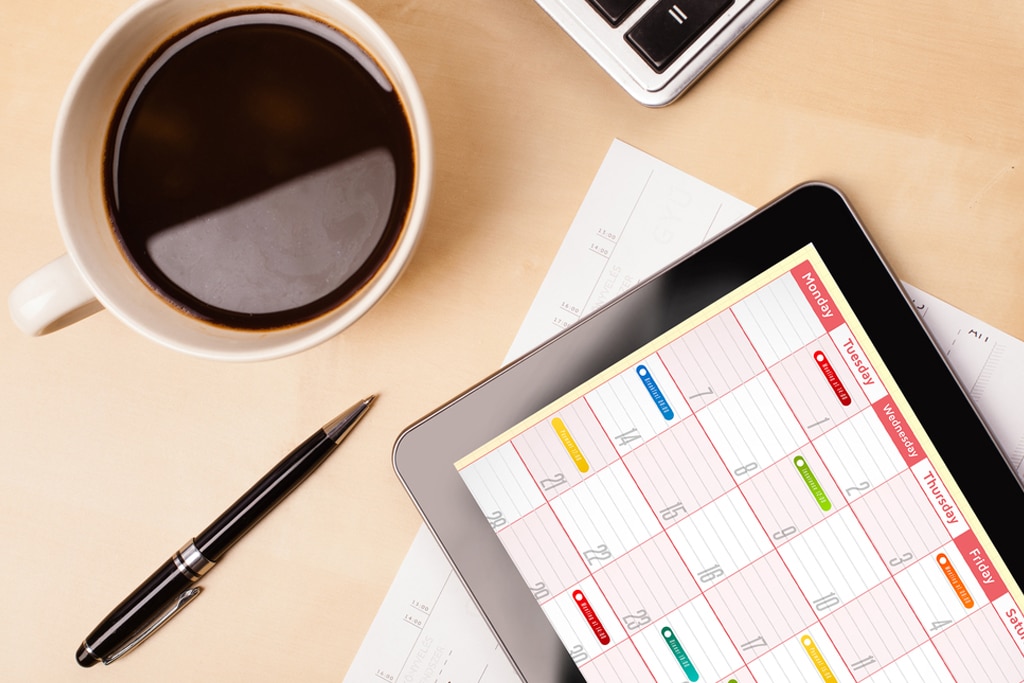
column 264, row 496
column 134, row 613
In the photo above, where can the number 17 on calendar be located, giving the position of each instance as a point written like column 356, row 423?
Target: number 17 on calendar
column 749, row 499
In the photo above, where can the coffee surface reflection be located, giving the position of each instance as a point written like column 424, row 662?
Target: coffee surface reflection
column 259, row 170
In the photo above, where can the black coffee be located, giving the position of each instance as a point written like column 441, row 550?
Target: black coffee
column 259, row 169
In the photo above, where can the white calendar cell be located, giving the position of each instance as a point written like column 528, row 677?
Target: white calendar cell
column 778, row 320
column 502, row 486
column 1011, row 615
column 638, row 404
column 742, row 675
column 583, row 619
column 860, row 454
column 748, row 504
column 752, row 427
column 922, row 664
column 941, row 588
column 620, row 664
column 711, row 360
column 720, row 539
column 833, row 562
column 605, row 516
column 688, row 644
column 679, row 471
column 980, row 650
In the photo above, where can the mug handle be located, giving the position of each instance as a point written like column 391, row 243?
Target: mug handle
column 53, row 297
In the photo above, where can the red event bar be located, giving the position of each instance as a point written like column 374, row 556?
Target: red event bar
column 833, row 379
column 588, row 613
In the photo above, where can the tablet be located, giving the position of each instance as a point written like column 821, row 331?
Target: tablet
column 754, row 466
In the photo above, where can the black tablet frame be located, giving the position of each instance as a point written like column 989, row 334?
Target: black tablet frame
column 814, row 213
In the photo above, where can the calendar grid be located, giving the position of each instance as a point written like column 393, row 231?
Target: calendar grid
column 581, row 556
column 748, row 475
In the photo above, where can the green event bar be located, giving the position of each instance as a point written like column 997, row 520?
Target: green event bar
column 812, row 483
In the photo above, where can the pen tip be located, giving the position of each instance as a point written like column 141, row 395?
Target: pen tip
column 340, row 426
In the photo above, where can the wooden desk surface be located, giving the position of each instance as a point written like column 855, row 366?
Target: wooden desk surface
column 115, row 451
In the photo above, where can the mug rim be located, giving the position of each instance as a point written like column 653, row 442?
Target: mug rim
column 177, row 329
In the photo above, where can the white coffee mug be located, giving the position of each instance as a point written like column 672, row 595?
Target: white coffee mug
column 94, row 272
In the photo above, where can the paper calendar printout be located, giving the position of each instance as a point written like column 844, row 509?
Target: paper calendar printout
column 750, row 498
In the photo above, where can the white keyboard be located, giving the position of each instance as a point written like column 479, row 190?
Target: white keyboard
column 656, row 49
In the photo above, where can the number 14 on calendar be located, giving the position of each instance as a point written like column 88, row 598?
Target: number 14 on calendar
column 749, row 499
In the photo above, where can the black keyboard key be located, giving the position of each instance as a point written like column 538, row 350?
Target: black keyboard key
column 614, row 11
column 670, row 27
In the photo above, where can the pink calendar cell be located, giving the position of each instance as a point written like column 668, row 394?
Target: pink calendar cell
column 833, row 562
column 752, row 427
column 808, row 657
column 748, row 504
column 637, row 404
column 679, row 471
column 711, row 360
column 818, row 387
column 542, row 553
column 792, row 495
column 979, row 649
column 859, row 454
column 720, row 539
column 867, row 643
column 778, row 320
column 621, row 664
column 900, row 522
column 688, row 645
column 646, row 583
column 760, row 607
column 605, row 516
column 564, row 448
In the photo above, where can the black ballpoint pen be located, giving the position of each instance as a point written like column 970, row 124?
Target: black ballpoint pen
column 169, row 589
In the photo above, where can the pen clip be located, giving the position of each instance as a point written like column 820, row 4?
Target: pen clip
column 178, row 605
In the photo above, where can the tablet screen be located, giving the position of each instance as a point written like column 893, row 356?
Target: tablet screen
column 750, row 497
